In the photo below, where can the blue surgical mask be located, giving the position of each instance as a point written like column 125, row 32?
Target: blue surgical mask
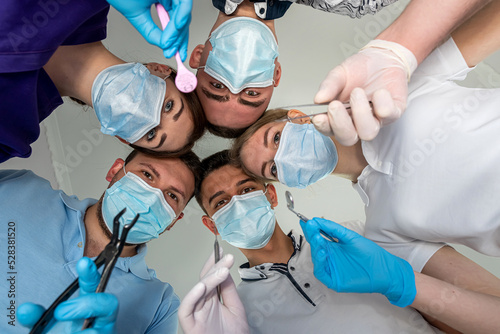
column 304, row 155
column 127, row 100
column 137, row 196
column 243, row 54
column 247, row 221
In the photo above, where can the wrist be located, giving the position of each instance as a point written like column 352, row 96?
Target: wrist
column 401, row 54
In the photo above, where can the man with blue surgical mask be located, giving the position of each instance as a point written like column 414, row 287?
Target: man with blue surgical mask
column 52, row 231
column 280, row 292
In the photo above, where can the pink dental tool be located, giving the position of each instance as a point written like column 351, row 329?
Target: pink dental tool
column 185, row 80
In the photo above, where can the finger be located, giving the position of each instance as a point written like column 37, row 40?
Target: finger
column 95, row 305
column 229, row 294
column 176, row 43
column 210, row 262
column 310, row 229
column 218, row 273
column 183, row 46
column 188, row 304
column 182, row 16
column 28, row 314
column 88, row 276
column 384, row 106
column 332, row 86
column 147, row 28
column 335, row 230
column 367, row 125
column 342, row 124
column 322, row 270
column 322, row 123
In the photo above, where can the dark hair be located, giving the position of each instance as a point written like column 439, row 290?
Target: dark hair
column 190, row 159
column 209, row 165
column 199, row 123
column 224, row 132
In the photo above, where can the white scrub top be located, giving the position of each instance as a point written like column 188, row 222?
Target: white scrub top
column 433, row 176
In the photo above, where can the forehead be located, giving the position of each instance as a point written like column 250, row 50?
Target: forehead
column 172, row 171
column 221, row 179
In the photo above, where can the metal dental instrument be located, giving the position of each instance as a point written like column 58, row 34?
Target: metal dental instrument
column 347, row 105
column 290, row 206
column 217, row 258
column 107, row 257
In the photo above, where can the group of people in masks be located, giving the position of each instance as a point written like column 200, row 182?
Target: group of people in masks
column 416, row 203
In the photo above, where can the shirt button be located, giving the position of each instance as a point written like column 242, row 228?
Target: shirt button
column 307, row 285
column 292, row 268
column 262, row 11
column 262, row 267
column 80, row 244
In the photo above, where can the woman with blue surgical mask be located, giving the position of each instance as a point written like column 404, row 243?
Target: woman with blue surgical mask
column 64, row 56
column 292, row 152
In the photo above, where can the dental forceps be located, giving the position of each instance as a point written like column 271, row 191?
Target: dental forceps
column 347, row 105
column 107, row 257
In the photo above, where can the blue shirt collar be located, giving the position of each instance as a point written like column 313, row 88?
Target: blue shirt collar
column 135, row 264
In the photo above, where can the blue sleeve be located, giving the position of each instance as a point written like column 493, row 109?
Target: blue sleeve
column 165, row 320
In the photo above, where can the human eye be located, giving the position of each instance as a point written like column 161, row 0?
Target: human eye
column 151, row 134
column 173, row 196
column 220, row 203
column 168, row 106
column 147, row 175
column 247, row 190
column 276, row 138
column 273, row 170
column 217, row 85
column 252, row 93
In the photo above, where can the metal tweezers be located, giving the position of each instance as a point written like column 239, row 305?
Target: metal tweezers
column 107, row 257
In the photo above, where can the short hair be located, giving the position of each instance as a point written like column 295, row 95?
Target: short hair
column 190, row 159
column 238, row 144
column 209, row 165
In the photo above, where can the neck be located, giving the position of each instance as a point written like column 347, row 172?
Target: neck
column 74, row 68
column 245, row 9
column 278, row 250
column 96, row 239
column 351, row 161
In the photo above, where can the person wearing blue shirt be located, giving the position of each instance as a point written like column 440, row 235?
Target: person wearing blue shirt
column 49, row 231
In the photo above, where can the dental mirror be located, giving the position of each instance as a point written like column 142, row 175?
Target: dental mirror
column 290, row 206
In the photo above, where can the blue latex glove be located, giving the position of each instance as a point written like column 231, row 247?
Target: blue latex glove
column 71, row 314
column 356, row 264
column 175, row 36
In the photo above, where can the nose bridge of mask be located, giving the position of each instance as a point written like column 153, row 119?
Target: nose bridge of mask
column 235, row 200
column 149, row 189
column 242, row 55
column 127, row 100
column 282, row 156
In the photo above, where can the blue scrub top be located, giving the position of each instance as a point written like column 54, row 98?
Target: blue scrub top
column 30, row 33
column 43, row 236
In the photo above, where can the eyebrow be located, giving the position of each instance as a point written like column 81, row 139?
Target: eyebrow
column 155, row 172
column 255, row 104
column 179, row 191
column 265, row 136
column 219, row 98
column 176, row 116
column 239, row 183
column 162, row 140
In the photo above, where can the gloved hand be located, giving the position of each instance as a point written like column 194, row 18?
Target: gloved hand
column 201, row 312
column 175, row 36
column 379, row 72
column 356, row 264
column 71, row 314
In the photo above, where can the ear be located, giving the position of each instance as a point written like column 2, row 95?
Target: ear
column 209, row 223
column 194, row 60
column 163, row 68
column 122, row 140
column 272, row 196
column 175, row 221
column 296, row 113
column 277, row 73
column 115, row 169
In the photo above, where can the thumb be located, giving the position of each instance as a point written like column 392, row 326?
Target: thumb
column 88, row 276
column 28, row 314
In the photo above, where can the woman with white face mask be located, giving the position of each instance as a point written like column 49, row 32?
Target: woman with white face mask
column 426, row 179
column 49, row 50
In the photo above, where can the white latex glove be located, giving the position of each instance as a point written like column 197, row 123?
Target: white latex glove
column 201, row 312
column 378, row 73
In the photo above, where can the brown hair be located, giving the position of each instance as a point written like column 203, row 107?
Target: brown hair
column 238, row 144
column 199, row 124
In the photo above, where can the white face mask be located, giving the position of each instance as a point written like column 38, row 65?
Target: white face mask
column 243, row 54
column 127, row 100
